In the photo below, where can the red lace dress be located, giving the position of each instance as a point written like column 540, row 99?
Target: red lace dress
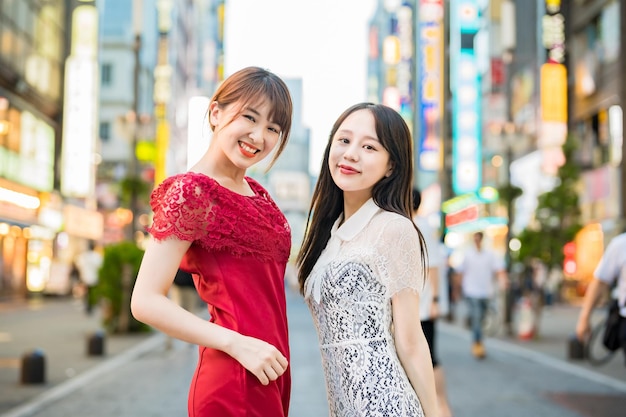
column 238, row 257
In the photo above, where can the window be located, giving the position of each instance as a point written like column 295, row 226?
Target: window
column 105, row 131
column 106, row 74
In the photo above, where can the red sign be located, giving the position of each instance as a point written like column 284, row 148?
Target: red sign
column 497, row 71
column 465, row 215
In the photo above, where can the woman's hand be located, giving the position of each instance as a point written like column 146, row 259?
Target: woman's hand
column 264, row 360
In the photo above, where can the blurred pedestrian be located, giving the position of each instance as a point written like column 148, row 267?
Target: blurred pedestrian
column 538, row 294
column 223, row 227
column 184, row 291
column 88, row 264
column 610, row 272
column 553, row 284
column 362, row 270
column 477, row 271
column 434, row 301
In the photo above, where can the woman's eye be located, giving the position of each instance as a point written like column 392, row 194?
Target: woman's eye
column 247, row 116
column 369, row 147
column 273, row 129
column 343, row 140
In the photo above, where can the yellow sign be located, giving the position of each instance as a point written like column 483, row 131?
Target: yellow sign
column 553, row 93
column 162, row 141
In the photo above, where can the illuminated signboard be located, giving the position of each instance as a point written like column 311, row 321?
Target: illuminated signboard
column 80, row 108
column 465, row 215
column 466, row 100
column 430, row 84
column 553, row 89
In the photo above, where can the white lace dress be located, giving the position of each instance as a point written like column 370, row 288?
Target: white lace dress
column 349, row 293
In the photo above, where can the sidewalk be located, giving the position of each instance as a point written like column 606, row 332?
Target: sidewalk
column 557, row 325
column 60, row 328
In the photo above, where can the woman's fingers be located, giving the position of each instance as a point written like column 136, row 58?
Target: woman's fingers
column 262, row 359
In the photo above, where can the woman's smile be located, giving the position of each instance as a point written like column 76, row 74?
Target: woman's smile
column 248, row 150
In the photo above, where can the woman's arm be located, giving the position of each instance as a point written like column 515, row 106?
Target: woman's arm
column 412, row 349
column 151, row 305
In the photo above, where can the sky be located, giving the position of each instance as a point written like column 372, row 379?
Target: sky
column 323, row 42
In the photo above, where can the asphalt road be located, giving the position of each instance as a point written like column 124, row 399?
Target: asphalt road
column 511, row 382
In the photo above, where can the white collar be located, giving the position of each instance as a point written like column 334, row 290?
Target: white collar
column 338, row 234
column 356, row 222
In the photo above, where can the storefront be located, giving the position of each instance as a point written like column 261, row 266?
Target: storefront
column 26, row 246
column 597, row 109
column 27, row 153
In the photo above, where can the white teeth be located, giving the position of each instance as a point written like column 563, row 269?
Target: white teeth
column 247, row 148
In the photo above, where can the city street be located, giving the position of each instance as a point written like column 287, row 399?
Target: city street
column 512, row 381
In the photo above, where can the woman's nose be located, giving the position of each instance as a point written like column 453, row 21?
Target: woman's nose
column 351, row 153
column 256, row 134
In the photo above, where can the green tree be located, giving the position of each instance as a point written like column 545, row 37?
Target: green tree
column 115, row 284
column 557, row 217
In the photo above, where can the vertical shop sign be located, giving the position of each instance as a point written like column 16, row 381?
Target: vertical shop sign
column 430, row 84
column 466, row 100
column 553, row 89
column 80, row 106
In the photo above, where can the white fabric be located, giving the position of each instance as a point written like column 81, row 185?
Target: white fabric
column 372, row 256
column 436, row 257
column 88, row 264
column 478, row 269
column 612, row 267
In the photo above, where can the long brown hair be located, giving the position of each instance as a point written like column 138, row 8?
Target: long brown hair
column 253, row 84
column 392, row 193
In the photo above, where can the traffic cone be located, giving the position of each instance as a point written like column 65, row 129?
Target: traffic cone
column 526, row 325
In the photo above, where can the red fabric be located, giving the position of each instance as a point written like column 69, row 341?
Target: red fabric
column 238, row 256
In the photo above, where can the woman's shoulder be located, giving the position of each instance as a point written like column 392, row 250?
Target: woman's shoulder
column 257, row 187
column 189, row 177
column 389, row 219
column 190, row 189
column 388, row 227
column 187, row 182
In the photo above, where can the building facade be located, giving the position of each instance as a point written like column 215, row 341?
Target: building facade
column 39, row 221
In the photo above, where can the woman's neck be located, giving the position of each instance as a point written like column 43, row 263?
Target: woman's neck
column 352, row 203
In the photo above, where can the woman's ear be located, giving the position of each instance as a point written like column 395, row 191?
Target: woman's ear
column 214, row 113
column 389, row 171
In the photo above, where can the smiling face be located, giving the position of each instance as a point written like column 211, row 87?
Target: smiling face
column 245, row 135
column 357, row 160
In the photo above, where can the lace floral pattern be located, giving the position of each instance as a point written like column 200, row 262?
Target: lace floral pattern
column 353, row 318
column 196, row 208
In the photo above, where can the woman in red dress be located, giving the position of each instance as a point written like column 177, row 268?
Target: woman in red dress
column 222, row 226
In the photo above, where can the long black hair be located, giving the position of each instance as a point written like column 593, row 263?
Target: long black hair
column 392, row 193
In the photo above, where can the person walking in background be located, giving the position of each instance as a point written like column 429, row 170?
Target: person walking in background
column 611, row 271
column 184, row 291
column 362, row 267
column 88, row 264
column 476, row 272
column 434, row 301
column 222, row 226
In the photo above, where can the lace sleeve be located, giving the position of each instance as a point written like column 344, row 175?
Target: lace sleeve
column 181, row 209
column 399, row 247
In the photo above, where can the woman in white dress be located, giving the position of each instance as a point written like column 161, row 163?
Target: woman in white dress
column 362, row 267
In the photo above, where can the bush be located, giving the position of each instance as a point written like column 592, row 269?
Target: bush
column 115, row 285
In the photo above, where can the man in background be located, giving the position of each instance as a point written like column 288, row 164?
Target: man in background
column 88, row 264
column 477, row 271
